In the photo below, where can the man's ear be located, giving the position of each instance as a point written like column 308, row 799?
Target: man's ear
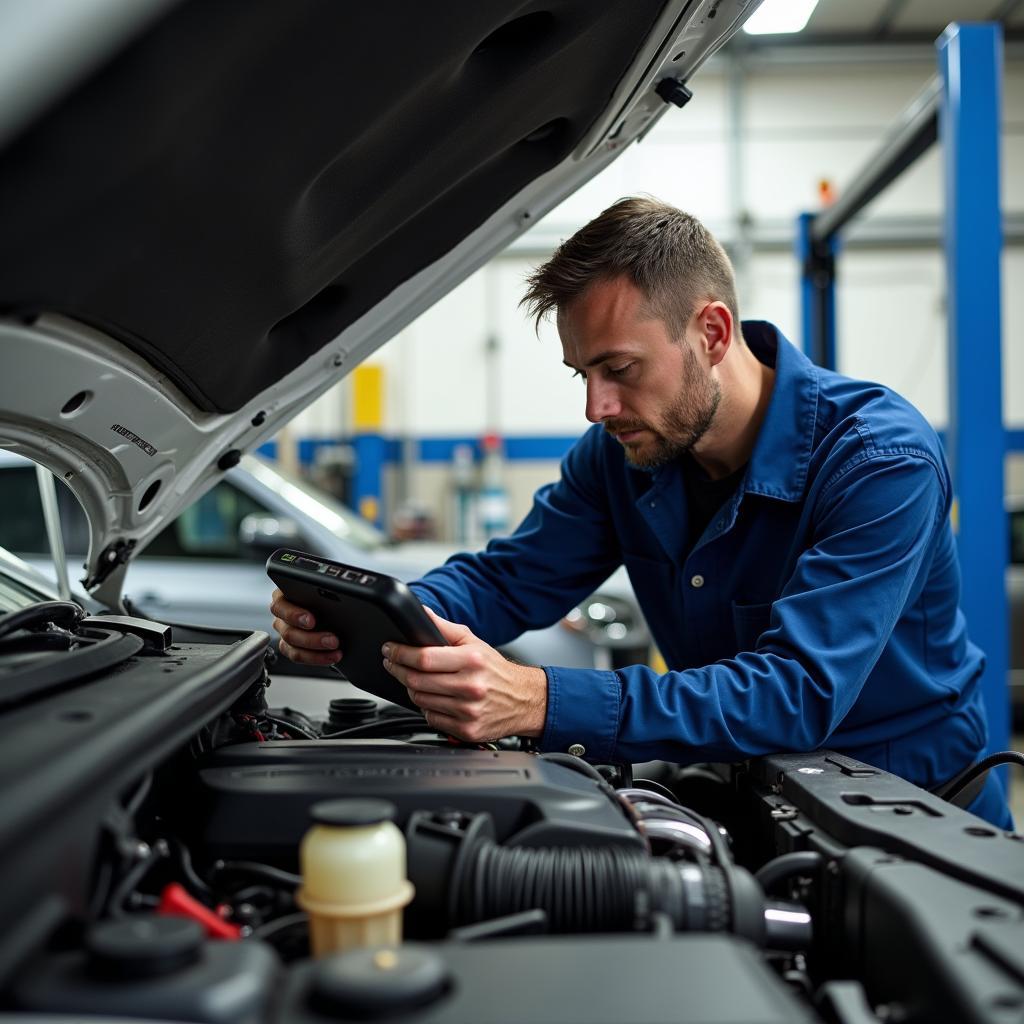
column 716, row 325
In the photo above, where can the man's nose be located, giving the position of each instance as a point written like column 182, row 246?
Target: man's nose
column 602, row 400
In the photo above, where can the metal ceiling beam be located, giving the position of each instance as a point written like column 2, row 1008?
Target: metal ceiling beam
column 885, row 20
column 1005, row 11
column 857, row 48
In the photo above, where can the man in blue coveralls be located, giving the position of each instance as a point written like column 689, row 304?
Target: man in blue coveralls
column 786, row 531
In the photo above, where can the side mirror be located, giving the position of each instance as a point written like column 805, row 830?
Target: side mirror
column 265, row 534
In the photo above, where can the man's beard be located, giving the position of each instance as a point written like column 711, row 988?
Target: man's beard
column 686, row 420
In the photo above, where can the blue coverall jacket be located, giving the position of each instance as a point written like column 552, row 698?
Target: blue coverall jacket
column 820, row 607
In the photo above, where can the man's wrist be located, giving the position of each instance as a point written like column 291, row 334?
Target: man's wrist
column 534, row 687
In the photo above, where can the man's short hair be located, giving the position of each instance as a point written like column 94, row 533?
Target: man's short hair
column 669, row 255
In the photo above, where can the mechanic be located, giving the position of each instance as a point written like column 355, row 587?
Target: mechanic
column 786, row 531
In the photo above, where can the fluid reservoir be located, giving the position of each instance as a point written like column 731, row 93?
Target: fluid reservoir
column 148, row 967
column 354, row 884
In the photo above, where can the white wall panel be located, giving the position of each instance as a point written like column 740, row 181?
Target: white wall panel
column 1013, row 96
column 783, row 174
column 327, row 416
column 891, row 325
column 1011, row 190
column 540, row 394
column 854, row 99
column 774, row 294
column 687, row 173
column 436, row 367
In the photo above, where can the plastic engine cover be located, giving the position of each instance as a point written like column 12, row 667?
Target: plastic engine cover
column 253, row 799
column 708, row 979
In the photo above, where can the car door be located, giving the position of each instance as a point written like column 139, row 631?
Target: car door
column 202, row 569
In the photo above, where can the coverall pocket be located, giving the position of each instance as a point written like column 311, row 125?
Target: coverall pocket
column 749, row 621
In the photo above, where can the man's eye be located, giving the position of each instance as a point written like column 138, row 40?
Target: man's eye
column 580, row 374
column 620, row 371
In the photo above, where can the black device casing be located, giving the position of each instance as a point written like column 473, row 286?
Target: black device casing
column 364, row 609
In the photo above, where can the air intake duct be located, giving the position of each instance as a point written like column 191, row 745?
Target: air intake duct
column 462, row 876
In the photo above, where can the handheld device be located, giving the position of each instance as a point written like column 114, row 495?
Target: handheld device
column 363, row 609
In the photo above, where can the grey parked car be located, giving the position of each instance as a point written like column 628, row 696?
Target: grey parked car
column 207, row 566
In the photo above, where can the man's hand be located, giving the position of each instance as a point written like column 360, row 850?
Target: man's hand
column 299, row 642
column 469, row 690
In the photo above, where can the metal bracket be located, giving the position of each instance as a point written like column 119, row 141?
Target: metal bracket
column 156, row 635
column 114, row 554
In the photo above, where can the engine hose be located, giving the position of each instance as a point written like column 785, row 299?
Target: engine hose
column 781, row 869
column 589, row 889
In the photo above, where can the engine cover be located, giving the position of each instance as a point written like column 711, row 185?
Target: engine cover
column 708, row 979
column 252, row 800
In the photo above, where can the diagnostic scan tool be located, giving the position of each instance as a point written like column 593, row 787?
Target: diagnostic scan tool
column 363, row 609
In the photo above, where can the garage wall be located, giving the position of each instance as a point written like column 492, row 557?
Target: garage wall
column 755, row 141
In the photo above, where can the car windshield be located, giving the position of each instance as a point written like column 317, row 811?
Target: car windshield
column 15, row 593
column 317, row 504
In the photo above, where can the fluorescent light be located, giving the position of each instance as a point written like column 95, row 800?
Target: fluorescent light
column 780, row 16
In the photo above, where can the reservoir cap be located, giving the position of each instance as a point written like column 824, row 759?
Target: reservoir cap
column 144, row 946
column 352, row 813
column 379, row 982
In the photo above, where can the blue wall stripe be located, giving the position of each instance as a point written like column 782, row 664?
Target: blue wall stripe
column 517, row 448
column 436, row 449
column 440, row 449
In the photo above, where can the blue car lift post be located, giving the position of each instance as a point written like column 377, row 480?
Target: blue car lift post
column 960, row 108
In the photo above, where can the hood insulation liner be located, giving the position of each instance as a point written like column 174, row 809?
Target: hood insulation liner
column 246, row 179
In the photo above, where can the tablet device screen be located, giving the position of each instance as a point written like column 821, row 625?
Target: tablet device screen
column 363, row 609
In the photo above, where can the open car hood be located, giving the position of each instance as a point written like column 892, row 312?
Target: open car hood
column 212, row 212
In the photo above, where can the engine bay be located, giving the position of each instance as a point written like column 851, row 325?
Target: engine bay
column 159, row 815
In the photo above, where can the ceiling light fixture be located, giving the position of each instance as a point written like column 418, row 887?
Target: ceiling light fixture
column 775, row 16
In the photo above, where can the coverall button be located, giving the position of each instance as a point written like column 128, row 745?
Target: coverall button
column 697, row 581
column 577, row 750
